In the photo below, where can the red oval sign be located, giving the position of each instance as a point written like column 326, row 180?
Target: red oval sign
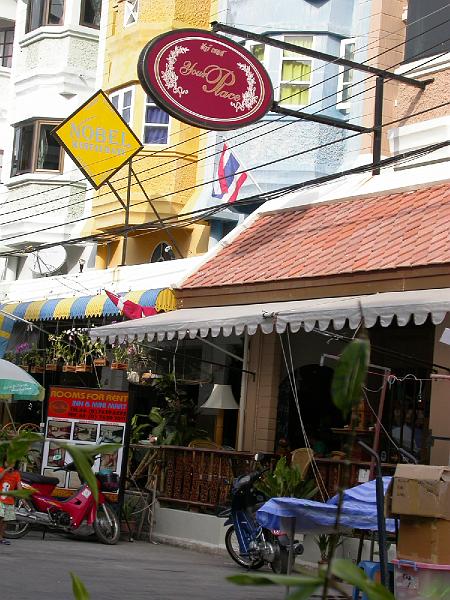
column 205, row 79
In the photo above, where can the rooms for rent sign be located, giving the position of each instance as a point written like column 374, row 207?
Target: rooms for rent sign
column 88, row 404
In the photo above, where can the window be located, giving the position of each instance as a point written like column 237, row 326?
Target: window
column 162, row 252
column 6, row 47
column 44, row 12
column 35, row 149
column 122, row 101
column 156, row 123
column 427, row 28
column 295, row 73
column 258, row 51
column 131, row 11
column 345, row 80
column 91, row 11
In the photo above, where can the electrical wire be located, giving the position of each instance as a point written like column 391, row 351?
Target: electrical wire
column 201, row 214
column 79, row 220
column 183, row 166
column 264, row 124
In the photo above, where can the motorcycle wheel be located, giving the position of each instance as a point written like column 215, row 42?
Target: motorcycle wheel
column 17, row 529
column 232, row 545
column 281, row 562
column 106, row 525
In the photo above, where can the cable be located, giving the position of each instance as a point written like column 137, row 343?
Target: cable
column 183, row 166
column 202, row 213
column 222, row 206
column 114, row 210
column 261, row 125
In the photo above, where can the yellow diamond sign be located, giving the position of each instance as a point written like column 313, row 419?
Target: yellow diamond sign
column 97, row 138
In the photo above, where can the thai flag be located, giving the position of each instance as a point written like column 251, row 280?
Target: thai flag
column 230, row 181
column 129, row 309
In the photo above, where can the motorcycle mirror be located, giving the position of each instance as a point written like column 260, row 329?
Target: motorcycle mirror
column 259, row 456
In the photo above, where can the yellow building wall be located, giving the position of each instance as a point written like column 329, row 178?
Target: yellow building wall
column 167, row 173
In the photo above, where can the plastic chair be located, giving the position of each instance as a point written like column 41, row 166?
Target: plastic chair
column 204, row 444
column 302, row 457
column 372, row 570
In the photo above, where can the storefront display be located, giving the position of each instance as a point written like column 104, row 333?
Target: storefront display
column 83, row 416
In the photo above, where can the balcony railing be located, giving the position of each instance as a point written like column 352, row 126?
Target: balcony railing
column 198, row 477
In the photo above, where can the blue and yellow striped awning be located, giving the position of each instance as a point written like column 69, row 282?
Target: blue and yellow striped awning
column 86, row 306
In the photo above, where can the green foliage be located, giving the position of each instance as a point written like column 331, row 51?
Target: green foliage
column 83, row 457
column 324, row 543
column 173, row 424
column 350, row 573
column 350, row 375
column 286, row 481
column 78, row 588
column 16, row 448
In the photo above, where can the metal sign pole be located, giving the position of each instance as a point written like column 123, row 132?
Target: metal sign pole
column 127, row 215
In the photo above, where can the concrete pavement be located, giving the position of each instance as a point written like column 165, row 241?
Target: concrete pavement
column 36, row 569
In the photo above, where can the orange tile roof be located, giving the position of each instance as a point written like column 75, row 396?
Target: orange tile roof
column 403, row 229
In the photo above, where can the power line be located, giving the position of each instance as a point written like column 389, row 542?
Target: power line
column 203, row 183
column 170, row 171
column 265, row 124
column 115, row 210
column 200, row 213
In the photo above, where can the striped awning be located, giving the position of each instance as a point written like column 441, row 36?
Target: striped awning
column 88, row 306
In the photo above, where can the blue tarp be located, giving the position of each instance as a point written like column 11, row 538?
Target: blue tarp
column 359, row 511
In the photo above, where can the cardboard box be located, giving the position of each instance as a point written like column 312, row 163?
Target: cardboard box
column 422, row 491
column 424, row 540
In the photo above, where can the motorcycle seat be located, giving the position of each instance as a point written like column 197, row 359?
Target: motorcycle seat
column 36, row 478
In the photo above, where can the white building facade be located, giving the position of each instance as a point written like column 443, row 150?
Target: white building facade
column 51, row 72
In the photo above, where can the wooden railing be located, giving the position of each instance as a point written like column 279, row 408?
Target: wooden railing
column 189, row 476
column 202, row 478
column 333, row 473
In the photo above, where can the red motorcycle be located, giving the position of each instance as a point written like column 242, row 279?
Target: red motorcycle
column 65, row 515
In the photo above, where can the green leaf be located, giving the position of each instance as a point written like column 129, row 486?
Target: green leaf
column 304, row 592
column 350, row 375
column 18, row 447
column 269, row 579
column 82, row 457
column 78, row 588
column 19, row 493
column 350, row 573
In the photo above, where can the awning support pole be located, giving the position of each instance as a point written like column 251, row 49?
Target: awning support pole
column 127, row 216
column 243, row 396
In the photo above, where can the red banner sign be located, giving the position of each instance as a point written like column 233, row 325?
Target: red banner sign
column 205, row 79
column 88, row 404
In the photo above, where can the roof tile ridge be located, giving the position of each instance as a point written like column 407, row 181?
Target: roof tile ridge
column 223, row 243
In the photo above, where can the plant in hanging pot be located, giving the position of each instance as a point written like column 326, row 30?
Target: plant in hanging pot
column 23, row 352
column 98, row 354
column 37, row 360
column 85, row 347
column 120, row 356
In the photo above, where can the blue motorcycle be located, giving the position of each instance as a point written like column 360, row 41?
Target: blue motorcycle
column 250, row 545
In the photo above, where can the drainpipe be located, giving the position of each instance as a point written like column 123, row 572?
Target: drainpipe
column 243, row 396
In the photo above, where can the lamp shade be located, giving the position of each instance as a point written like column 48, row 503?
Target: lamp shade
column 221, row 397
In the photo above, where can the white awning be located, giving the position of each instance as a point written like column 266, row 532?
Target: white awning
column 276, row 316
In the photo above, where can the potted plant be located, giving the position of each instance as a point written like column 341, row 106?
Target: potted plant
column 54, row 352
column 37, row 360
column 85, row 347
column 286, row 481
column 23, row 355
column 98, row 354
column 120, row 356
column 128, row 522
column 324, row 543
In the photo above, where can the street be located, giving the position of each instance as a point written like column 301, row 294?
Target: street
column 33, row 568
